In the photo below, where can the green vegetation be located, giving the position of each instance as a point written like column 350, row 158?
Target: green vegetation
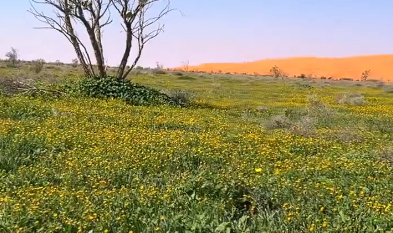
column 252, row 154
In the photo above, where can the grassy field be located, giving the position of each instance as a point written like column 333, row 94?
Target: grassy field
column 263, row 155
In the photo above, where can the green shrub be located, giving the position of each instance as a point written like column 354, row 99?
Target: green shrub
column 112, row 87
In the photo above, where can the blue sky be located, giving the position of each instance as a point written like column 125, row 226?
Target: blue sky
column 226, row 31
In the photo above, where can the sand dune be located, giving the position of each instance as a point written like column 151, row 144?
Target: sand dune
column 380, row 66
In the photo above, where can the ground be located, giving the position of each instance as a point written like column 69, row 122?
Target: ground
column 258, row 154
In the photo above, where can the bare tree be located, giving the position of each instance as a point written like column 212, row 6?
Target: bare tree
column 276, row 71
column 94, row 15
column 12, row 55
column 186, row 65
column 365, row 75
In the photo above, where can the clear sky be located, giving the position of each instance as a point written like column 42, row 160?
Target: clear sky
column 225, row 31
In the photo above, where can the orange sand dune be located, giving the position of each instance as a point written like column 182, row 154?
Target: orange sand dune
column 380, row 66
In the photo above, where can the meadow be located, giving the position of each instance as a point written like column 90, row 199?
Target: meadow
column 256, row 154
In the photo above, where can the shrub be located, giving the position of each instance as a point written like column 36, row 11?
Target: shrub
column 180, row 98
column 159, row 69
column 279, row 122
column 75, row 62
column 38, row 65
column 304, row 127
column 386, row 154
column 111, row 87
column 351, row 99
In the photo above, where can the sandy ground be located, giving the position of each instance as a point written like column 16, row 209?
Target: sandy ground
column 380, row 66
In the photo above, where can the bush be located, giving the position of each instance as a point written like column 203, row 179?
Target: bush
column 38, row 65
column 112, row 87
column 278, row 122
column 75, row 62
column 158, row 71
column 180, row 98
column 351, row 99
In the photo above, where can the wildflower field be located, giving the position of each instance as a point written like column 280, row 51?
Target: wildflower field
column 255, row 155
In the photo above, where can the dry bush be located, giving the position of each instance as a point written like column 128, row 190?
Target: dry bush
column 278, row 122
column 317, row 109
column 353, row 99
column 346, row 136
column 37, row 65
column 304, row 127
column 159, row 69
column 261, row 109
column 386, row 154
column 303, row 122
column 75, row 62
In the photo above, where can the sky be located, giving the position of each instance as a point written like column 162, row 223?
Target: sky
column 215, row 31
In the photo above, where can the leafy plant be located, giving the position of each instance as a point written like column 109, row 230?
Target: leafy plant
column 111, row 87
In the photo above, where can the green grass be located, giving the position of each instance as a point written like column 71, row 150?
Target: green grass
column 306, row 162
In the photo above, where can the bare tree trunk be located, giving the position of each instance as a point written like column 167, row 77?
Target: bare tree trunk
column 94, row 42
column 124, row 60
column 74, row 41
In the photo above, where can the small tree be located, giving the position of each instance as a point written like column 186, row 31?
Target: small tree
column 186, row 65
column 12, row 56
column 94, row 15
column 276, row 71
column 365, row 75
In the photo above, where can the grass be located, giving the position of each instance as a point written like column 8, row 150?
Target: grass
column 86, row 165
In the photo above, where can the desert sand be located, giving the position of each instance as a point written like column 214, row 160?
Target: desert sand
column 380, row 66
